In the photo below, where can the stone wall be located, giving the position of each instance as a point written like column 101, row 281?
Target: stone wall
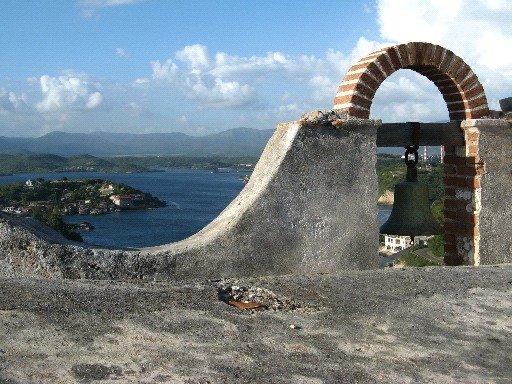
column 495, row 221
column 309, row 207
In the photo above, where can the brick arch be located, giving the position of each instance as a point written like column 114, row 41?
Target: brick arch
column 459, row 85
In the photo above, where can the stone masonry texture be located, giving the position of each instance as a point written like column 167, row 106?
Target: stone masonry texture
column 309, row 207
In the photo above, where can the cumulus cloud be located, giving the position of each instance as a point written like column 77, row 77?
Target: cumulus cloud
column 478, row 31
column 220, row 94
column 11, row 102
column 167, row 71
column 408, row 96
column 195, row 56
column 66, row 92
column 223, row 80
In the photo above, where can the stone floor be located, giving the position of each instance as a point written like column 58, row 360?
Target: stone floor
column 429, row 325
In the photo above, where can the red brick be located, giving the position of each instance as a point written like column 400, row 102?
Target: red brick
column 450, row 248
column 357, row 66
column 455, row 66
column 354, row 99
column 452, row 97
column 455, row 205
column 436, row 57
column 477, row 102
column 364, row 78
column 473, row 92
column 457, row 106
column 450, row 87
column 354, row 112
column 452, row 259
column 449, row 192
column 449, row 169
column 429, row 72
column 463, row 72
column 414, row 51
column 472, row 160
column 454, row 160
column 479, row 113
column 460, row 228
column 393, row 57
column 428, row 52
column 447, row 61
column 456, row 116
column 467, row 171
column 403, row 53
column 376, row 72
column 385, row 66
column 450, row 238
column 452, row 215
column 464, row 84
column 357, row 88
column 439, row 78
column 454, row 181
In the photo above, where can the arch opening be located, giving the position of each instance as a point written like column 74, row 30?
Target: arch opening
column 461, row 90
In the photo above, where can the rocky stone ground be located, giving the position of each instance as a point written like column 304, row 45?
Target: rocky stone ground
column 429, row 325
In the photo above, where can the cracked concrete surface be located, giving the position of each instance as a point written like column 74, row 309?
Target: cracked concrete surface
column 402, row 326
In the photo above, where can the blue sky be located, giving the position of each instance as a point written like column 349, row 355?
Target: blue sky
column 203, row 66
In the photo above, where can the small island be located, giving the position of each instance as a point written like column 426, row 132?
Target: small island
column 48, row 201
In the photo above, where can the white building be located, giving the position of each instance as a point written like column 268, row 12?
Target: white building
column 395, row 243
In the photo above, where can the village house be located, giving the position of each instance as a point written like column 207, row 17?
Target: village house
column 122, row 200
column 395, row 243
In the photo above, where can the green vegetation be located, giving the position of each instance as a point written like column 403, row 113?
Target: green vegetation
column 48, row 201
column 436, row 246
column 413, row 260
column 38, row 163
column 392, row 170
column 436, row 243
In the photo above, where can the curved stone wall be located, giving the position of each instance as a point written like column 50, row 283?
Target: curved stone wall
column 459, row 85
column 309, row 207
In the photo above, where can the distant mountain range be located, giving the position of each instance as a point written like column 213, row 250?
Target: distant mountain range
column 233, row 142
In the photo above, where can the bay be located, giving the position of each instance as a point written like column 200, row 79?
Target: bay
column 194, row 198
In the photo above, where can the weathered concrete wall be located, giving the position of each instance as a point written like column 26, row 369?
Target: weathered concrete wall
column 495, row 223
column 310, row 206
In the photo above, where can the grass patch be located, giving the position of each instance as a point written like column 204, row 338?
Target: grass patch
column 412, row 260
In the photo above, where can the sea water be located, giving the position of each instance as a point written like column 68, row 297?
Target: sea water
column 194, row 198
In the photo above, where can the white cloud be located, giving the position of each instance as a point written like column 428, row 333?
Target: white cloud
column 221, row 94
column 94, row 100
column 106, row 3
column 66, row 92
column 477, row 31
column 11, row 102
column 121, row 52
column 142, row 81
column 167, row 71
column 195, row 56
column 408, row 96
column 225, row 81
column 89, row 8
